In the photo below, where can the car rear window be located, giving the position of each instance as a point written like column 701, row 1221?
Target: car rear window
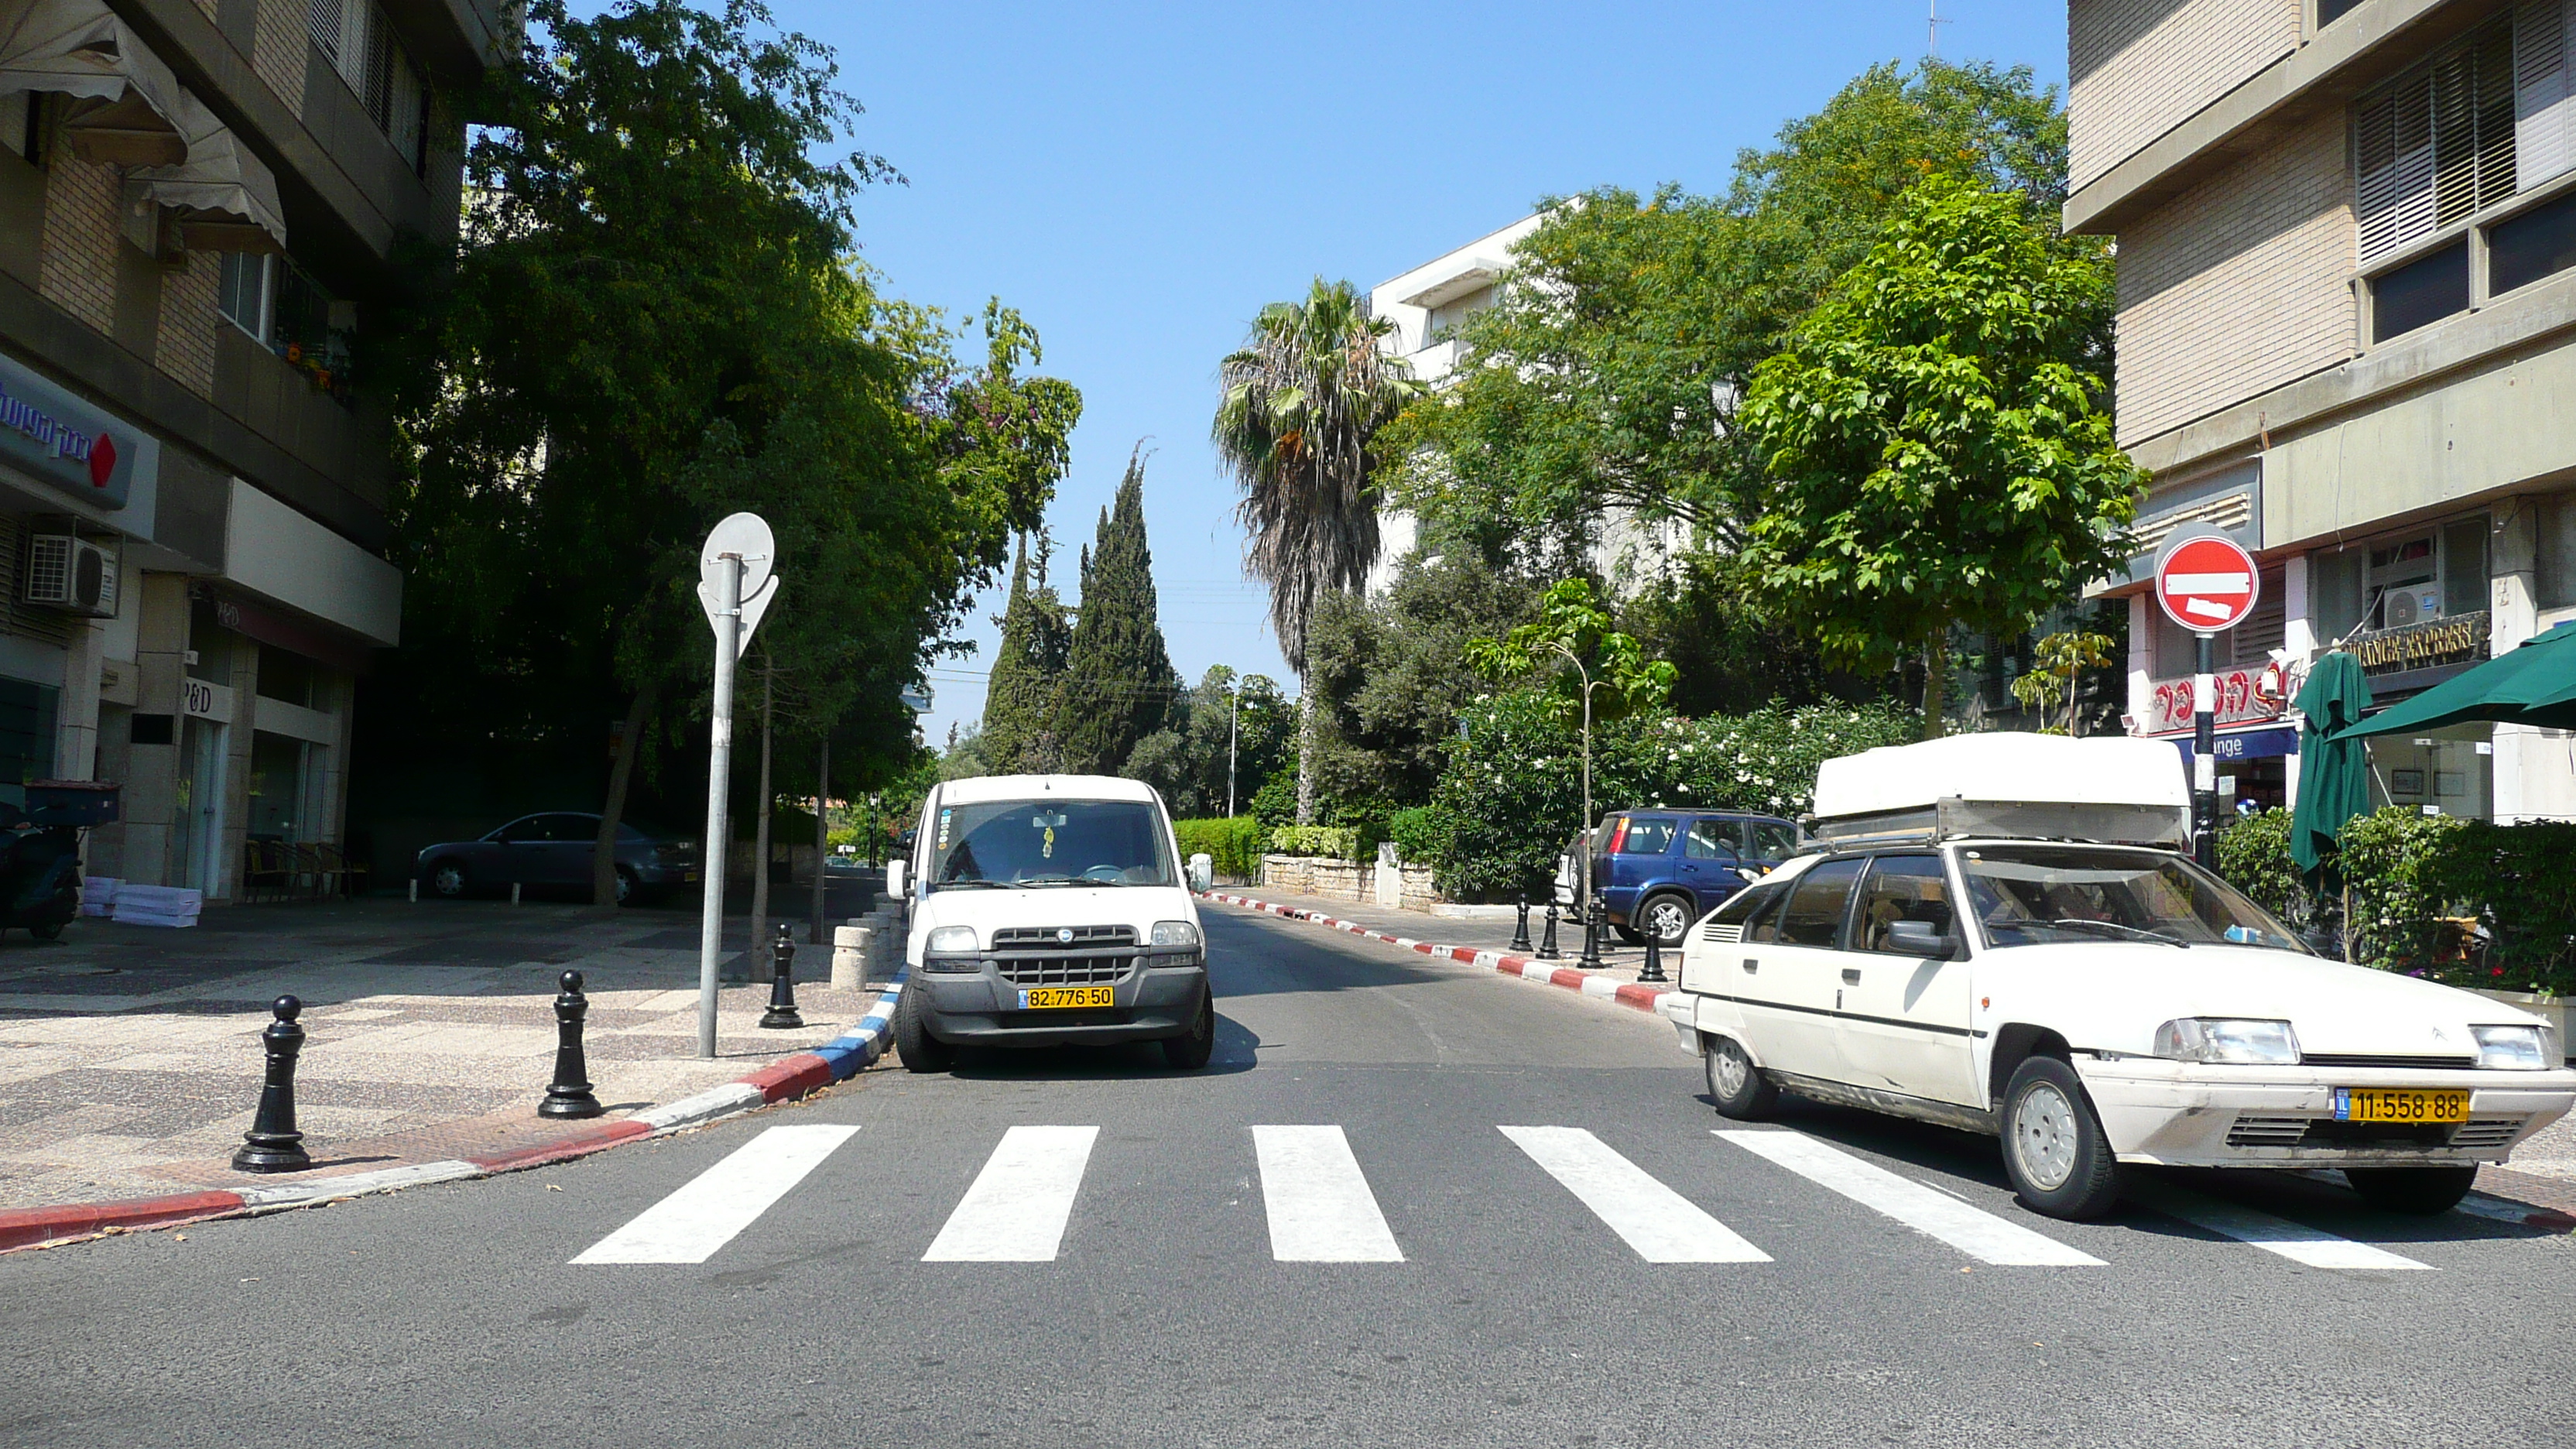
column 1815, row 912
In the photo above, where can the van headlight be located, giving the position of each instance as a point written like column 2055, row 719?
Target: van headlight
column 959, row 940
column 2228, row 1041
column 2512, row 1048
column 1174, row 933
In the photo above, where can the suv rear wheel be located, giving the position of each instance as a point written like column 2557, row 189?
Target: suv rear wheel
column 1667, row 917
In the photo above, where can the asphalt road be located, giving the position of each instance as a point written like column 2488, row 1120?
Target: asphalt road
column 1163, row 1314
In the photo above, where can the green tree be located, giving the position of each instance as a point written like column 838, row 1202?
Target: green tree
column 1936, row 453
column 2057, row 665
column 1297, row 420
column 1028, row 671
column 1118, row 682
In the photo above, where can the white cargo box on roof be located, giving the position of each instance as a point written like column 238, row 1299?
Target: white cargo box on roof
column 2020, row 785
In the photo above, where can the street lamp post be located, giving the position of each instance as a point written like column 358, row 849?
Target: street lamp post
column 1233, row 716
column 1583, row 837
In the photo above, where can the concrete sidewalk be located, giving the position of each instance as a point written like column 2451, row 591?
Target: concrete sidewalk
column 130, row 1063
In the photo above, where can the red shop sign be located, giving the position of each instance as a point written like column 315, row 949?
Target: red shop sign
column 2169, row 704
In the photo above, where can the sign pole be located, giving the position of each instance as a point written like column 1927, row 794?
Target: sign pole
column 2204, row 754
column 728, row 627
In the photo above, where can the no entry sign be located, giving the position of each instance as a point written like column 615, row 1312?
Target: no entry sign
column 2207, row 584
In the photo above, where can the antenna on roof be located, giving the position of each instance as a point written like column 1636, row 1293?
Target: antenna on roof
column 1932, row 32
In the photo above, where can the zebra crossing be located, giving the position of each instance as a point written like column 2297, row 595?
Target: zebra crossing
column 1320, row 1207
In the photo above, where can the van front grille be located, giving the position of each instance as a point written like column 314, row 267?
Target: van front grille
column 1045, row 938
column 2376, row 1059
column 1062, row 970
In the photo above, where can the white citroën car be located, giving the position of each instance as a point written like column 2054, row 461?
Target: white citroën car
column 1998, row 932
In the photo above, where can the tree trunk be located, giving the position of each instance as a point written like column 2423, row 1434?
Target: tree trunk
column 815, row 935
column 603, row 852
column 1936, row 679
column 1305, row 754
column 759, row 950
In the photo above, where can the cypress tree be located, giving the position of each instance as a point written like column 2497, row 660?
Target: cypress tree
column 1118, row 679
column 1020, row 699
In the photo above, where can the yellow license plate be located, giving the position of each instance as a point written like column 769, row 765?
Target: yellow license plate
column 1047, row 998
column 2399, row 1104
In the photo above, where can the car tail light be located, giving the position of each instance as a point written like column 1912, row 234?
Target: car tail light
column 1619, row 836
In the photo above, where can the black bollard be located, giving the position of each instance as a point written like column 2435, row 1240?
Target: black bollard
column 1520, row 927
column 781, row 1015
column 272, row 1144
column 1547, row 943
column 570, row 1095
column 1591, row 959
column 1653, row 970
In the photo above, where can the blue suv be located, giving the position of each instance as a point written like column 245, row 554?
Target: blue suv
column 1660, row 870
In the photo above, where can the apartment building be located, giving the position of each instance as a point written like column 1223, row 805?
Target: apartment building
column 203, row 203
column 2347, row 336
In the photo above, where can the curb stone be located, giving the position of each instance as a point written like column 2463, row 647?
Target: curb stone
column 783, row 1080
column 1674, row 1007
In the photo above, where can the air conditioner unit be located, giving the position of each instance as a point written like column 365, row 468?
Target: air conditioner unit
column 2401, row 610
column 71, row 574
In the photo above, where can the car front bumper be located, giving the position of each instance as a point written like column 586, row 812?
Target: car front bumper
column 2184, row 1114
column 981, row 1008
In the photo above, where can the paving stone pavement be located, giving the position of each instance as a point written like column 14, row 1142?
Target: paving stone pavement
column 130, row 1063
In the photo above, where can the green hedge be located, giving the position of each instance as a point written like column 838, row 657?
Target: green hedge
column 1421, row 834
column 2410, row 875
column 1234, row 845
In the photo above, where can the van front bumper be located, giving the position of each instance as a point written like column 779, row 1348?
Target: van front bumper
column 1158, row 996
column 2186, row 1114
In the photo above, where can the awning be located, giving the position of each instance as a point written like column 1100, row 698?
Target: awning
column 133, row 113
column 2534, row 684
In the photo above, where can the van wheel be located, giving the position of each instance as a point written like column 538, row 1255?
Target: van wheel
column 921, row 1052
column 1190, row 1050
column 2055, row 1151
column 1734, row 1083
column 2421, row 1190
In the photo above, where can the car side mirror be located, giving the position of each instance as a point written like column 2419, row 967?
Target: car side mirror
column 895, row 878
column 1921, row 938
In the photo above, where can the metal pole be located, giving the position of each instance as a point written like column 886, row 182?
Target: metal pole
column 1233, row 715
column 719, row 775
column 2204, row 757
column 815, row 935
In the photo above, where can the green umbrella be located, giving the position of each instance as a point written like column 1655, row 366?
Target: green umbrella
column 2334, row 771
column 2532, row 685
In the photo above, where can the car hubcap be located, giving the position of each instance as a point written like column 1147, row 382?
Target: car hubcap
column 1727, row 1069
column 450, row 881
column 2044, row 1136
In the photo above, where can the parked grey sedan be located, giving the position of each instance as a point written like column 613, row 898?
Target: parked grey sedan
column 554, row 850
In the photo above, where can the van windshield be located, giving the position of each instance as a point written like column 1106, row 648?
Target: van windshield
column 2026, row 895
column 1036, row 843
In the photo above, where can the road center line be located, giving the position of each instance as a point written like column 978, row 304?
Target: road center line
column 2295, row 1241
column 1321, row 1209
column 1661, row 1224
column 706, row 1212
column 1017, row 1209
column 1973, row 1231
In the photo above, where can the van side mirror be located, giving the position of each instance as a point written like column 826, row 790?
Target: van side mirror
column 895, row 878
column 1920, row 938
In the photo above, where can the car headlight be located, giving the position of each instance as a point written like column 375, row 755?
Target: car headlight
column 2228, row 1040
column 951, row 939
column 2512, row 1048
column 1175, row 933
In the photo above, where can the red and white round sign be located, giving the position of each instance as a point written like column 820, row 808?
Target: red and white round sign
column 2207, row 584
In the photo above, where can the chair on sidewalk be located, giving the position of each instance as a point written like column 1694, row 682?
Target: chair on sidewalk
column 350, row 875
column 266, row 867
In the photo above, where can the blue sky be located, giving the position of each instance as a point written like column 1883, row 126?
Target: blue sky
column 1139, row 179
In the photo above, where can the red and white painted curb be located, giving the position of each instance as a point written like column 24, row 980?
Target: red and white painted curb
column 787, row 1078
column 1670, row 1005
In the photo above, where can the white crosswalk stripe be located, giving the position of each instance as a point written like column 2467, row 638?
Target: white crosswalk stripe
column 2294, row 1241
column 690, row 1224
column 1321, row 1209
column 1017, row 1209
column 1661, row 1224
column 1972, row 1230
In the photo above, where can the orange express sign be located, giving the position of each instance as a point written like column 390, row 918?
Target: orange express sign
column 64, row 441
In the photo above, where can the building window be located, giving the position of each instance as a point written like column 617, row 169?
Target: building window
column 2438, row 573
column 2420, row 293
column 2557, row 551
column 243, row 292
column 2539, row 243
column 2330, row 11
column 361, row 46
column 2436, row 144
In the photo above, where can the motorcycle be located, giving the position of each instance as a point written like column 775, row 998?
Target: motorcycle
column 40, row 852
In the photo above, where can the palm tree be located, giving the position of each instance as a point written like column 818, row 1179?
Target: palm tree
column 1303, row 399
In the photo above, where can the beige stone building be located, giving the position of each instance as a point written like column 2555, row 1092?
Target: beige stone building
column 2347, row 335
column 202, row 204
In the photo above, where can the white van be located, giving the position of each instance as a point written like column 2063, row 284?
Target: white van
column 1049, row 910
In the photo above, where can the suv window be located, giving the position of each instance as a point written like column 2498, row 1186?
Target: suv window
column 1902, row 888
column 1647, row 835
column 1814, row 916
column 1711, row 840
column 1770, row 839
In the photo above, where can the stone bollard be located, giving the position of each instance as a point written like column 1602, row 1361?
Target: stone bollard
column 272, row 1144
column 1592, row 923
column 781, row 1015
column 1653, row 970
column 850, row 947
column 569, row 1095
column 1520, row 924
column 1547, row 943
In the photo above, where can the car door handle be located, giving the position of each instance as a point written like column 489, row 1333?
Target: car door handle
column 1851, row 976
column 1752, row 964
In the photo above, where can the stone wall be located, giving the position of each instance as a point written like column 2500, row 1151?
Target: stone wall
column 1347, row 880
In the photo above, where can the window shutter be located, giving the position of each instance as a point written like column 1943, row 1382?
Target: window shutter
column 2439, row 142
column 2396, row 171
column 2544, row 116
